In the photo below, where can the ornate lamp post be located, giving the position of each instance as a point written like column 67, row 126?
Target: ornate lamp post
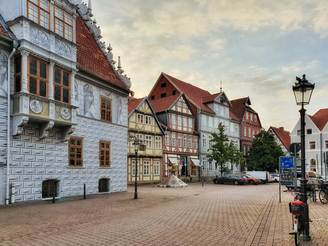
column 303, row 91
column 137, row 145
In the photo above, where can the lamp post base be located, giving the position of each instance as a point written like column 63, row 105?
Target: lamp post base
column 135, row 195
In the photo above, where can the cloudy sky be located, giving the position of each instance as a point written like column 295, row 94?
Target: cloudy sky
column 255, row 47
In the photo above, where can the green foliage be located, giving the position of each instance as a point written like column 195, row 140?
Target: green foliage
column 223, row 150
column 264, row 153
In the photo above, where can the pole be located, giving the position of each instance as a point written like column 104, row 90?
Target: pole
column 295, row 170
column 84, row 191
column 135, row 179
column 54, row 193
column 279, row 180
column 305, row 220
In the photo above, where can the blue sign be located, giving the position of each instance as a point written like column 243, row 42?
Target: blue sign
column 200, row 163
column 286, row 162
column 185, row 163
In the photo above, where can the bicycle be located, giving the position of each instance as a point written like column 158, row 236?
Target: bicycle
column 297, row 209
column 323, row 192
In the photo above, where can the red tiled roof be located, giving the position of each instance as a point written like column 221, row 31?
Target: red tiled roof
column 164, row 103
column 232, row 116
column 210, row 98
column 238, row 107
column 3, row 31
column 320, row 118
column 193, row 93
column 90, row 58
column 133, row 104
column 283, row 135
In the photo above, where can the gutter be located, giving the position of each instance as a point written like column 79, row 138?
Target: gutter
column 15, row 45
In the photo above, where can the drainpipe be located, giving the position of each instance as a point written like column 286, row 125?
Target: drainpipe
column 8, row 124
column 321, row 162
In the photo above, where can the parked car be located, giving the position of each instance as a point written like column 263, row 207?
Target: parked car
column 231, row 178
column 271, row 178
column 251, row 180
column 275, row 176
column 263, row 175
column 311, row 176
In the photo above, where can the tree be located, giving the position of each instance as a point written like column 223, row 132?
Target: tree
column 264, row 153
column 223, row 150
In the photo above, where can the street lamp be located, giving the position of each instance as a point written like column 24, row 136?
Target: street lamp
column 303, row 91
column 137, row 145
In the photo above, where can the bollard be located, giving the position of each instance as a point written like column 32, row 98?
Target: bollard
column 202, row 182
column 54, row 194
column 84, row 192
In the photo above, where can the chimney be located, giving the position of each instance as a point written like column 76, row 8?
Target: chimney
column 281, row 128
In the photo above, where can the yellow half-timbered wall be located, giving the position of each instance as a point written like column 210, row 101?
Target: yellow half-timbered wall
column 144, row 126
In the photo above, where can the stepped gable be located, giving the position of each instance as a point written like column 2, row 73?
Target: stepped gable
column 193, row 93
column 164, row 103
column 133, row 104
column 283, row 135
column 320, row 118
column 90, row 58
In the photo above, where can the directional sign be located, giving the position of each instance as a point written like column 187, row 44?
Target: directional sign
column 200, row 163
column 286, row 162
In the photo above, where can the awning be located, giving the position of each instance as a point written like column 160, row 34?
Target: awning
column 174, row 161
column 196, row 162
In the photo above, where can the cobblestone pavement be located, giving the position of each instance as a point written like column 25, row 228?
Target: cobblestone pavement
column 196, row 215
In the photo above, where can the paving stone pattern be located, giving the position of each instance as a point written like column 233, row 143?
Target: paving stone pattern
column 196, row 215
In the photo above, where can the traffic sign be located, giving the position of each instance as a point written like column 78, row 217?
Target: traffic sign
column 286, row 162
column 294, row 148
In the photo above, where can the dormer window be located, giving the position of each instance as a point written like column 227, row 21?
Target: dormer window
column 39, row 12
column 63, row 24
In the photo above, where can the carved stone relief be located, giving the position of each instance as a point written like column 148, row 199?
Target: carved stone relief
column 119, row 111
column 3, row 74
column 62, row 49
column 65, row 114
column 39, row 37
column 88, row 100
column 36, row 106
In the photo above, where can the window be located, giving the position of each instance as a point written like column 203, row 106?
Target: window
column 312, row 144
column 255, row 118
column 253, row 133
column 236, row 128
column 231, row 126
column 148, row 120
column 179, row 104
column 249, row 132
column 156, row 168
column 63, row 24
column 251, row 117
column 179, row 140
column 245, row 131
column 174, row 140
column 39, row 12
column 190, row 123
column 326, row 142
column 209, row 141
column 163, row 85
column 298, row 132
column 146, row 167
column 195, row 142
column 152, row 97
column 221, row 111
column 179, row 120
column 184, row 121
column 173, row 119
column 204, row 120
column 167, row 140
column 216, row 107
column 37, row 77
column 134, row 167
column 257, row 131
column 75, row 152
column 246, row 115
column 185, row 141
column 248, row 149
column 62, row 85
column 158, row 142
column 138, row 136
column 204, row 141
column 210, row 166
column 184, row 105
column 204, row 162
column 308, row 131
column 174, row 92
column 18, row 74
column 216, row 122
column 226, row 111
column 163, row 95
column 104, row 154
column 210, row 121
column 244, row 149
column 148, row 140
column 106, row 109
column 190, row 142
column 140, row 118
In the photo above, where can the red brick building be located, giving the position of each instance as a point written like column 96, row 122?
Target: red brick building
column 250, row 124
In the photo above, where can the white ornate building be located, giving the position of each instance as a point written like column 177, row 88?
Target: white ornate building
column 68, row 103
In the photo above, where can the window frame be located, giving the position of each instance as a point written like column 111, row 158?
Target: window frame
column 148, row 120
column 180, row 140
column 105, row 110
column 156, row 168
column 37, row 76
column 174, row 139
column 312, row 144
column 146, row 167
column 158, row 141
column 64, row 24
column 148, row 141
column 140, row 118
column 39, row 14
column 75, row 146
column 61, row 85
column 17, row 74
column 105, row 149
